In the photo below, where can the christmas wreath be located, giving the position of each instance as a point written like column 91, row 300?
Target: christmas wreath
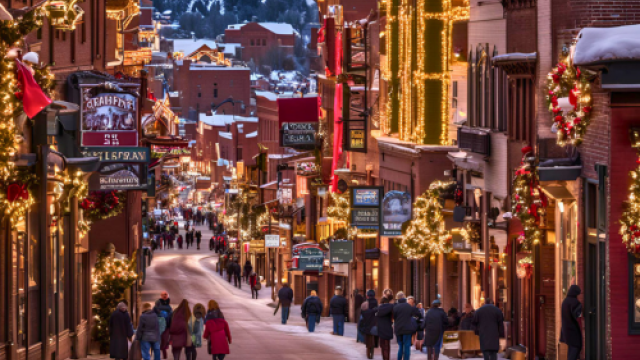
column 528, row 199
column 425, row 233
column 101, row 205
column 569, row 100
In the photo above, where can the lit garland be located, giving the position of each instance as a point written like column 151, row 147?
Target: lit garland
column 63, row 15
column 409, row 110
column 45, row 79
column 471, row 232
column 15, row 198
column 630, row 219
column 529, row 201
column 566, row 82
column 100, row 205
column 426, row 232
column 339, row 208
column 110, row 279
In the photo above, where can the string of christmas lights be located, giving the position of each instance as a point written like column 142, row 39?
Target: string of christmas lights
column 528, row 199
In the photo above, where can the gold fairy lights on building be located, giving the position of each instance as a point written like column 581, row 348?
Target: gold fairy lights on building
column 419, row 56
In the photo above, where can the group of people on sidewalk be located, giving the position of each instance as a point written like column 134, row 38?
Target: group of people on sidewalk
column 160, row 326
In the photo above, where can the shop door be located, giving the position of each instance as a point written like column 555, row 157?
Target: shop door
column 591, row 299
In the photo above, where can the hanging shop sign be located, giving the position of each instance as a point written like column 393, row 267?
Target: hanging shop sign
column 307, row 257
column 365, row 205
column 272, row 241
column 396, row 210
column 109, row 118
column 354, row 119
column 340, row 251
column 368, row 218
column 299, row 135
column 122, row 168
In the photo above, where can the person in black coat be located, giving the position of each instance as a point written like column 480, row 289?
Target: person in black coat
column 311, row 310
column 405, row 324
column 489, row 324
column 570, row 333
column 338, row 309
column 466, row 322
column 120, row 331
column 368, row 324
column 385, row 326
column 358, row 300
column 436, row 321
column 285, row 297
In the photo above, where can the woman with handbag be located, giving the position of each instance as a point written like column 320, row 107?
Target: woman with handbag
column 196, row 327
column 369, row 323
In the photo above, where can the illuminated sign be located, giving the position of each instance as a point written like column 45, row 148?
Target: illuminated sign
column 396, row 209
column 365, row 196
column 356, row 139
column 123, row 154
column 367, row 218
column 109, row 119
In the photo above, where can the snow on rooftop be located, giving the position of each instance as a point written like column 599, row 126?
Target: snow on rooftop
column 517, row 56
column 252, row 134
column 216, row 67
column 229, row 48
column 226, row 135
column 285, row 75
column 166, row 12
column 189, row 46
column 600, row 45
column 223, row 119
column 276, row 28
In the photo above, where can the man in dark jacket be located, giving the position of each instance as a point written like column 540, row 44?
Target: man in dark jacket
column 404, row 325
column 149, row 333
column 237, row 274
column 358, row 299
column 489, row 324
column 436, row 322
column 338, row 309
column 120, row 330
column 198, row 238
column 311, row 310
column 570, row 333
column 466, row 322
column 285, row 296
column 385, row 326
column 163, row 309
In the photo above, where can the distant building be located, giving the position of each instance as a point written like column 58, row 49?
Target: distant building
column 256, row 39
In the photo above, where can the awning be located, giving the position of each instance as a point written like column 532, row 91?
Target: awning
column 558, row 192
column 467, row 161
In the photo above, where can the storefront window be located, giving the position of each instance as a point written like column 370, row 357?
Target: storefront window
column 568, row 248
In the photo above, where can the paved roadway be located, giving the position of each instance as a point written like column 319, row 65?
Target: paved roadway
column 255, row 331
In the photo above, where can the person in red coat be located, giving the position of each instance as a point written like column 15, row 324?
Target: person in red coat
column 253, row 280
column 216, row 330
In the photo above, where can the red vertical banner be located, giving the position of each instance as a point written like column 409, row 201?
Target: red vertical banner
column 337, row 135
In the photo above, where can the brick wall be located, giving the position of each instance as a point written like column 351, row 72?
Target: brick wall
column 521, row 27
column 255, row 33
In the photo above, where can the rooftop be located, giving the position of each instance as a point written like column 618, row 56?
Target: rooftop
column 276, row 28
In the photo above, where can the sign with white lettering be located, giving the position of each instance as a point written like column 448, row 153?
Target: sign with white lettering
column 340, row 251
column 298, row 135
column 368, row 218
column 272, row 241
column 118, row 154
column 122, row 168
column 109, row 119
column 365, row 196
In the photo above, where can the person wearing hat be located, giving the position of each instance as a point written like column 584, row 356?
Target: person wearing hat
column 436, row 321
column 338, row 309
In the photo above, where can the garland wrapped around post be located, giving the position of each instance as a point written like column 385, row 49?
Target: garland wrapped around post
column 569, row 89
column 425, row 233
column 110, row 278
column 529, row 201
column 630, row 219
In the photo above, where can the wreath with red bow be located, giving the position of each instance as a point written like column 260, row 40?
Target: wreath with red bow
column 569, row 83
column 529, row 202
column 101, row 205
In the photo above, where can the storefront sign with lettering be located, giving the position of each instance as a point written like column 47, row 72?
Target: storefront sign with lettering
column 299, row 135
column 365, row 218
column 109, row 118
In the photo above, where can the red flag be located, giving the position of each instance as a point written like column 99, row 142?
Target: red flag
column 32, row 96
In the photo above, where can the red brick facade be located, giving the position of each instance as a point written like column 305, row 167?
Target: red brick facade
column 256, row 40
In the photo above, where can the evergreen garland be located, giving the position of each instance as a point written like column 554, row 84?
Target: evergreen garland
column 630, row 219
column 425, row 234
column 528, row 199
column 339, row 208
column 100, row 205
column 110, row 279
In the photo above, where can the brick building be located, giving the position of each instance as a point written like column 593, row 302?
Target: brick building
column 259, row 40
column 204, row 87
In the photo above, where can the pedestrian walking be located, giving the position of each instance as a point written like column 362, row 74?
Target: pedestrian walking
column 338, row 309
column 148, row 333
column 248, row 269
column 404, row 325
column 436, row 321
column 466, row 322
column 179, row 329
column 212, row 244
column 229, row 267
column 165, row 312
column 120, row 332
column 571, row 334
column 489, row 324
column 285, row 297
column 311, row 310
column 421, row 325
column 385, row 326
column 213, row 311
column 196, row 328
column 198, row 238
column 180, row 240
column 369, row 323
column 358, row 300
column 171, row 239
column 255, row 285
column 217, row 333
column 237, row 272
